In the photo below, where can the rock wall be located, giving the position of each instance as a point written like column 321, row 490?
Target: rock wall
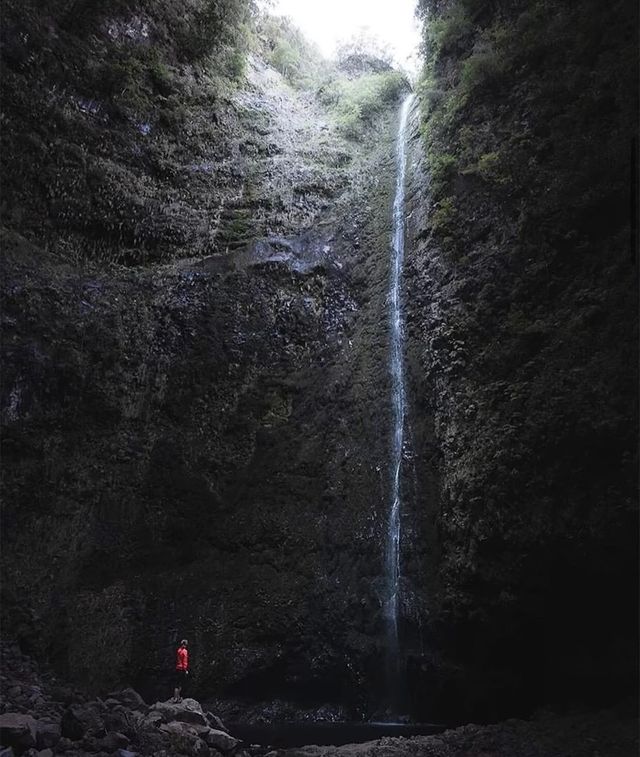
column 522, row 324
column 195, row 398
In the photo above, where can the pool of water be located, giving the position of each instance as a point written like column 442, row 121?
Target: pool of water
column 325, row 734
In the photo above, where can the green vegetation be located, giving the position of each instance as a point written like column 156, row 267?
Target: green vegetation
column 444, row 215
column 446, row 32
column 482, row 68
column 442, row 169
column 489, row 168
column 355, row 102
column 529, row 110
column 364, row 53
column 286, row 49
column 221, row 27
column 119, row 116
column 501, row 83
column 128, row 91
column 354, row 96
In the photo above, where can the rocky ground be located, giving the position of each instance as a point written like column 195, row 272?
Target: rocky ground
column 44, row 717
column 40, row 716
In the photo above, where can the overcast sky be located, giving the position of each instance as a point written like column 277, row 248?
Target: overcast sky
column 328, row 22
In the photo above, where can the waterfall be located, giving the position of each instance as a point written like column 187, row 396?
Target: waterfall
column 398, row 402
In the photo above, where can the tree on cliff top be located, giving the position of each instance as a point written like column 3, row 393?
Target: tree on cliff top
column 363, row 53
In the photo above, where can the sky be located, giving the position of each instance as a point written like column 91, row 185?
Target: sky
column 329, row 22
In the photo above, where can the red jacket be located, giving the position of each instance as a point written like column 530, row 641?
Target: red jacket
column 182, row 659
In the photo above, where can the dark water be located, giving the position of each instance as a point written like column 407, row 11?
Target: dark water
column 325, row 734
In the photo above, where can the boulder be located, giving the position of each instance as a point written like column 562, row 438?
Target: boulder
column 47, row 734
column 213, row 721
column 153, row 719
column 62, row 694
column 178, row 729
column 113, row 741
column 17, row 730
column 150, row 741
column 187, row 711
column 221, row 740
column 79, row 721
column 89, row 745
column 123, row 720
column 200, row 749
column 188, row 737
column 129, row 698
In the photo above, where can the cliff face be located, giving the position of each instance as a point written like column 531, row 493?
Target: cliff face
column 196, row 397
column 522, row 310
column 195, row 394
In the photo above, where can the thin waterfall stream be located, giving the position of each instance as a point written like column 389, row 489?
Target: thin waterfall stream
column 398, row 403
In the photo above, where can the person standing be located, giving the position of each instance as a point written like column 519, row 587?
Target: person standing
column 182, row 670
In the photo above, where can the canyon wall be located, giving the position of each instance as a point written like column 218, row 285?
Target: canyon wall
column 196, row 400
column 522, row 314
column 195, row 391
